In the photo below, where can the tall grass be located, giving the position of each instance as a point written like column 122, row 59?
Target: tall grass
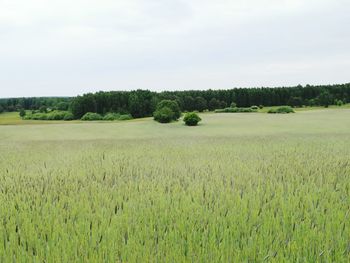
column 176, row 198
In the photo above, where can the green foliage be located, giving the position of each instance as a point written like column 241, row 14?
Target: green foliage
column 261, row 106
column 339, row 102
column 283, row 109
column 43, row 109
column 295, row 101
column 111, row 116
column 62, row 106
column 200, row 104
column 125, row 117
column 172, row 105
column 36, row 116
column 164, row 115
column 56, row 115
column 214, row 104
column 233, row 105
column 191, row 119
column 189, row 104
column 52, row 116
column 235, row 110
column 68, row 116
column 1, row 109
column 91, row 116
column 142, row 103
column 325, row 99
column 254, row 107
column 22, row 113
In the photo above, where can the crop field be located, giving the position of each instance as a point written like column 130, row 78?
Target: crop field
column 237, row 188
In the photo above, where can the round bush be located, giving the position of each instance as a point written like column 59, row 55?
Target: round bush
column 191, row 119
column 233, row 105
column 164, row 115
column 56, row 115
column 125, row 117
column 68, row 116
column 254, row 107
column 282, row 110
column 111, row 117
column 172, row 105
column 91, row 116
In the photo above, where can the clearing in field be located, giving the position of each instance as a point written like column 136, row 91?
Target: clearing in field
column 237, row 188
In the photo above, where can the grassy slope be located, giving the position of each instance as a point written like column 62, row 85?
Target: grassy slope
column 237, row 188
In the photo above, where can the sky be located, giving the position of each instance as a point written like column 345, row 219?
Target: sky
column 71, row 47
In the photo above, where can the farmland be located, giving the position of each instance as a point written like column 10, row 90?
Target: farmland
column 237, row 188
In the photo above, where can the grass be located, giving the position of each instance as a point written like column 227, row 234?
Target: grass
column 13, row 118
column 345, row 106
column 237, row 188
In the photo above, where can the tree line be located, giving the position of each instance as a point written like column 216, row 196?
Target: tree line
column 142, row 103
column 35, row 103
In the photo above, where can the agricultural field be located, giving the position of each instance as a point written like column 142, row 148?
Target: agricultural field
column 237, row 188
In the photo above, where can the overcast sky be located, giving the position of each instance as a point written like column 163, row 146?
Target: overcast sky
column 70, row 47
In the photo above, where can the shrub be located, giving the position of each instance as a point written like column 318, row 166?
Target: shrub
column 191, row 119
column 68, row 116
column 283, row 109
column 254, row 107
column 164, row 115
column 125, row 117
column 38, row 116
column 172, row 105
column 339, row 102
column 261, row 106
column 111, row 116
column 91, row 116
column 56, row 115
column 43, row 109
column 22, row 113
column 233, row 105
column 235, row 110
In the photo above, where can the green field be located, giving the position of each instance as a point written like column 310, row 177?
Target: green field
column 237, row 188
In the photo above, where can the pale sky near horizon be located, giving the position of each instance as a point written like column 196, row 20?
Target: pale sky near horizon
column 71, row 47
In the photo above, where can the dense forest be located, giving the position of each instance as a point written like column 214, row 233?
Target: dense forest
column 141, row 103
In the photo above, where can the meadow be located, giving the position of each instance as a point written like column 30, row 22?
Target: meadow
column 237, row 188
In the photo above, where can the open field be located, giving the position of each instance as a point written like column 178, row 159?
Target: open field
column 237, row 188
column 13, row 118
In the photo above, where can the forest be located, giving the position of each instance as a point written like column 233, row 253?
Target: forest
column 142, row 103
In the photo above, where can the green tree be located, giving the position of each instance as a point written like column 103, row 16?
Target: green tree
column 295, row 102
column 62, row 106
column 214, row 104
column 43, row 109
column 164, row 115
column 172, row 105
column 325, row 99
column 22, row 113
column 189, row 103
column 201, row 104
